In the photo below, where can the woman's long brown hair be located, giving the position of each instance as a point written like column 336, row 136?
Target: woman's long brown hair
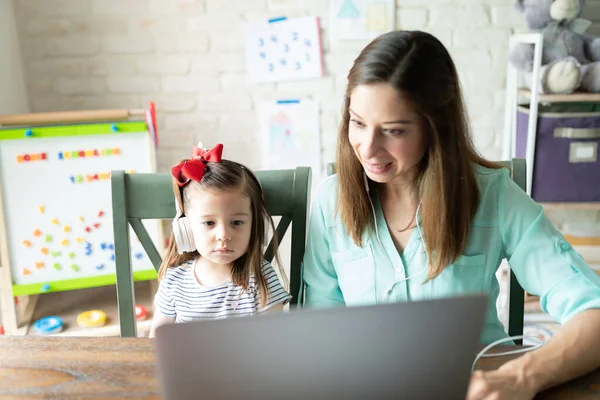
column 225, row 176
column 419, row 67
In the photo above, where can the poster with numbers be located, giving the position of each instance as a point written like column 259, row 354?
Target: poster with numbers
column 284, row 49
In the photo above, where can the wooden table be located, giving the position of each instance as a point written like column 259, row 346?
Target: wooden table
column 107, row 367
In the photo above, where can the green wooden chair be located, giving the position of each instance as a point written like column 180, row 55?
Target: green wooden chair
column 136, row 197
column 518, row 171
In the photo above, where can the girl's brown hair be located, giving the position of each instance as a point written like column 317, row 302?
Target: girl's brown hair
column 226, row 176
column 419, row 67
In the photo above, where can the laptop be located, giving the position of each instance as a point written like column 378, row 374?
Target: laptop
column 416, row 350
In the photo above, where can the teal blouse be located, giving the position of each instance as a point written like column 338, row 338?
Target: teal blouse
column 508, row 224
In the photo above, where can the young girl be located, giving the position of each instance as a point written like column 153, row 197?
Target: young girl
column 214, row 266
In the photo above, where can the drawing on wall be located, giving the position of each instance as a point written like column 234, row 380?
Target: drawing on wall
column 361, row 19
column 284, row 49
column 290, row 134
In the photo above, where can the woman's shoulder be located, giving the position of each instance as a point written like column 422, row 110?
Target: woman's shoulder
column 325, row 198
column 491, row 183
column 490, row 178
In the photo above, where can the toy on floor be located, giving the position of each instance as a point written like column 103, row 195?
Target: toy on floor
column 140, row 312
column 91, row 319
column 48, row 325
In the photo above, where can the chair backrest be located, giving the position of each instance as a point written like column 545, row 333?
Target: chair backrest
column 136, row 197
column 516, row 294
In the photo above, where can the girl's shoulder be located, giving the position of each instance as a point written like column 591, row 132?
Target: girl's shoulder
column 179, row 272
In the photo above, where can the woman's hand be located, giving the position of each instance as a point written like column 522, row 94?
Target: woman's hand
column 507, row 382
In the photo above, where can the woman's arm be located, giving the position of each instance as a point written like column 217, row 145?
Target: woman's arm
column 158, row 320
column 546, row 265
column 573, row 351
column 319, row 275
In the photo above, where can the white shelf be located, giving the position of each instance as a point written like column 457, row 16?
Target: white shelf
column 571, row 206
column 561, row 98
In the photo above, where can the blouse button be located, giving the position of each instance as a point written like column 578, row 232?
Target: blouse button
column 564, row 246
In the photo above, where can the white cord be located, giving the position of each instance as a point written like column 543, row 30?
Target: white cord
column 385, row 252
column 482, row 354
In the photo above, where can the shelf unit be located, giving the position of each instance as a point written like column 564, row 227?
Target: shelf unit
column 517, row 95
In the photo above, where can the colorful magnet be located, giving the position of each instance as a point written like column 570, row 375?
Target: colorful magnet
column 100, row 266
column 37, row 233
column 44, row 251
column 80, row 240
column 39, row 264
column 80, row 218
column 48, row 325
column 140, row 312
column 71, row 255
column 100, row 214
column 48, row 238
column 114, row 128
column 55, row 221
column 91, row 319
column 103, row 246
column 112, row 257
column 66, row 228
column 28, row 133
column 45, row 287
column 88, row 229
column 139, row 256
column 111, row 246
column 57, row 266
column 65, row 242
column 56, row 254
column 26, row 271
column 26, row 243
column 41, row 209
column 96, row 225
column 75, row 267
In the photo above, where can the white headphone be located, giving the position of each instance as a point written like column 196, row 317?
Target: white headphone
column 182, row 231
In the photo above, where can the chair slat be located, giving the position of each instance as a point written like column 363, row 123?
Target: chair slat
column 280, row 230
column 125, row 293
column 146, row 241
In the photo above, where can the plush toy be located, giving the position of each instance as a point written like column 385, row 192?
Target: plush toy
column 570, row 59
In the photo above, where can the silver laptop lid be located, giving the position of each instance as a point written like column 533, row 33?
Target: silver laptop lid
column 418, row 350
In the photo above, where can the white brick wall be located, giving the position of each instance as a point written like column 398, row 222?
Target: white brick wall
column 188, row 56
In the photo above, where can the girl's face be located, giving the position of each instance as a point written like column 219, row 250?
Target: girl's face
column 385, row 133
column 221, row 223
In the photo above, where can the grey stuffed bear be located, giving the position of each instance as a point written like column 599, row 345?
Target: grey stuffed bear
column 570, row 59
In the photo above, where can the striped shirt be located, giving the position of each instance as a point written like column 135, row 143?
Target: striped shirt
column 180, row 295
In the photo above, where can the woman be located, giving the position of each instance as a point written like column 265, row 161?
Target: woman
column 415, row 213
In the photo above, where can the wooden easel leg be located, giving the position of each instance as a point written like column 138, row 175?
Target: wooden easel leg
column 9, row 310
column 27, row 304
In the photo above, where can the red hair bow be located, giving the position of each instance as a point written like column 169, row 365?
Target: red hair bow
column 194, row 169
